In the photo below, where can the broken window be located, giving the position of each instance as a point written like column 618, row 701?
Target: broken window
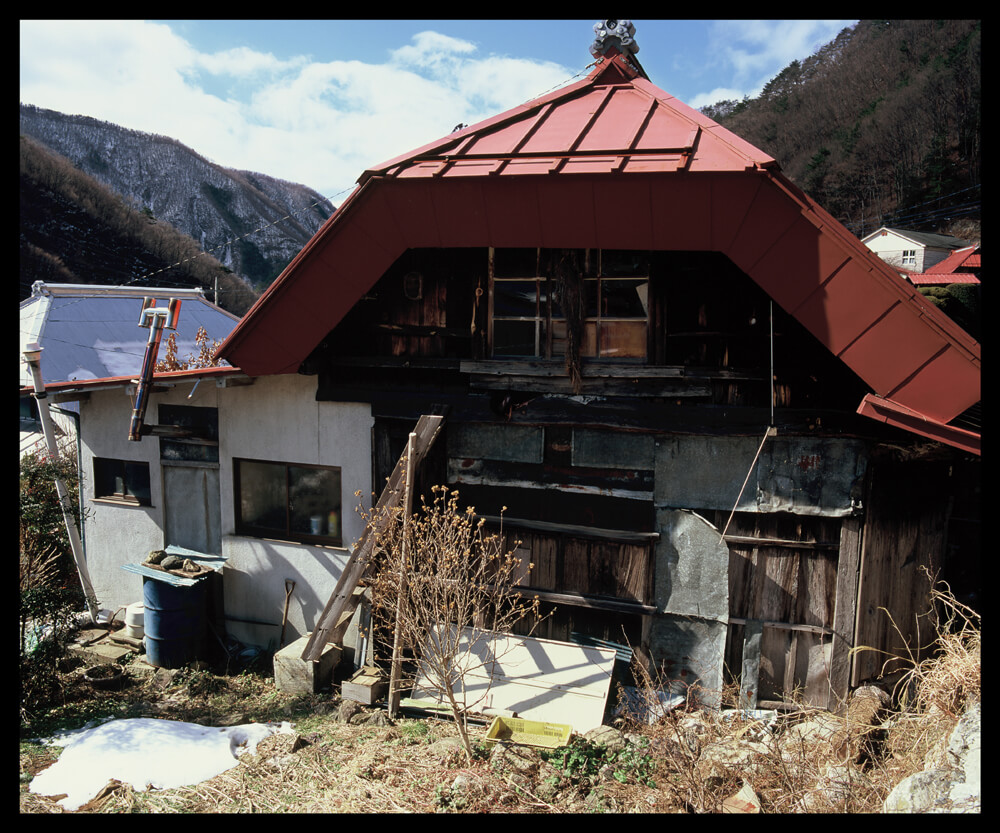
column 293, row 502
column 529, row 316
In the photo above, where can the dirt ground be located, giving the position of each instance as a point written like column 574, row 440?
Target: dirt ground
column 347, row 758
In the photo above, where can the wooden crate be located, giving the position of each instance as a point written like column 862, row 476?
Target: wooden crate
column 298, row 676
column 367, row 686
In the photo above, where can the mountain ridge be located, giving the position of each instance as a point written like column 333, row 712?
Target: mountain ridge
column 252, row 223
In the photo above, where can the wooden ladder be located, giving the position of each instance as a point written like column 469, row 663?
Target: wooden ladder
column 346, row 597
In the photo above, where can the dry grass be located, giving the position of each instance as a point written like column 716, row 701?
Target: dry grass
column 692, row 760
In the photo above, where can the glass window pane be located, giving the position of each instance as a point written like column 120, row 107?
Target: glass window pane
column 624, row 298
column 313, row 496
column 590, row 290
column 515, row 263
column 625, row 262
column 137, row 482
column 180, row 450
column 515, row 299
column 514, row 338
column 262, row 494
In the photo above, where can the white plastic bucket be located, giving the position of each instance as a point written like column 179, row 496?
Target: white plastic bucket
column 133, row 620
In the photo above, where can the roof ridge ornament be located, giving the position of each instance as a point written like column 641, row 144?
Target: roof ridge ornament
column 614, row 33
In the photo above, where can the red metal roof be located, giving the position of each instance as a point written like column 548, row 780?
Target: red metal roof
column 612, row 161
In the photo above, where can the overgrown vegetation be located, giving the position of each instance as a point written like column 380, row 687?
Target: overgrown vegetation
column 345, row 758
column 444, row 588
column 50, row 598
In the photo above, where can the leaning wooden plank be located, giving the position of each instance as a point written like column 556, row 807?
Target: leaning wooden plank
column 334, row 620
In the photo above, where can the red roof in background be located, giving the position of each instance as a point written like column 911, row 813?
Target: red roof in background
column 614, row 162
column 966, row 258
column 951, row 270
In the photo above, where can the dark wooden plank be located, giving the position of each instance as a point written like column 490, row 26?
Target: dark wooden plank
column 751, row 664
column 336, row 615
column 844, row 613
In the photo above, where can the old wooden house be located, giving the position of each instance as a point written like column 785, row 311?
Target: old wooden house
column 725, row 432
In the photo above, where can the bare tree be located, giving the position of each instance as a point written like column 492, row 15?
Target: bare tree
column 446, row 587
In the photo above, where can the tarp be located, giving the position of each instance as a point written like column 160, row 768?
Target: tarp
column 146, row 753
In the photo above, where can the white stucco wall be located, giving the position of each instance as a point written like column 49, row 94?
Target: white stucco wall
column 278, row 418
column 275, row 418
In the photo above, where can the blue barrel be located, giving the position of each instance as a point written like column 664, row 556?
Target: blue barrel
column 174, row 622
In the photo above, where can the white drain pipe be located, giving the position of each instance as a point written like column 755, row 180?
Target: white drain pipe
column 32, row 355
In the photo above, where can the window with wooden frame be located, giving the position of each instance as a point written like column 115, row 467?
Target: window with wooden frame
column 288, row 501
column 125, row 481
column 528, row 313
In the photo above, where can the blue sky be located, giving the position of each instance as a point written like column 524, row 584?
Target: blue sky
column 317, row 102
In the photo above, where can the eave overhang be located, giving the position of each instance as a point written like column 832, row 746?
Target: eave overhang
column 614, row 162
column 892, row 413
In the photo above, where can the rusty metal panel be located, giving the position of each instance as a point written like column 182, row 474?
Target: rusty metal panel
column 833, row 314
column 886, row 354
column 613, row 450
column 944, row 388
column 802, row 475
column 497, row 441
column 814, row 257
column 811, row 476
column 692, row 566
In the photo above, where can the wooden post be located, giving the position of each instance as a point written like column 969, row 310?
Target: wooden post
column 750, row 676
column 845, row 613
column 394, row 695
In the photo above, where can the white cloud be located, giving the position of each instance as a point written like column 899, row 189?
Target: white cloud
column 318, row 123
column 757, row 50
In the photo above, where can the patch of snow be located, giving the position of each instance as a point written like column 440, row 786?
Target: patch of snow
column 146, row 753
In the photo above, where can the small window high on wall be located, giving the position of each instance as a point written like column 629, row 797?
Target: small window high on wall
column 123, row 481
column 532, row 298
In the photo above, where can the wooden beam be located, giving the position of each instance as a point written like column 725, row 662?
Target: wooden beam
column 592, row 602
column 622, row 536
column 337, row 614
column 845, row 612
column 749, row 540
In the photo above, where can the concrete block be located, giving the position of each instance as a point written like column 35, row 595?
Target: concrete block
column 298, row 676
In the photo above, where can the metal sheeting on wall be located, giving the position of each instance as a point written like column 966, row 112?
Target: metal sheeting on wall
column 801, row 475
column 687, row 639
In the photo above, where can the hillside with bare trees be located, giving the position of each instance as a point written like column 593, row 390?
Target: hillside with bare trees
column 73, row 229
column 881, row 125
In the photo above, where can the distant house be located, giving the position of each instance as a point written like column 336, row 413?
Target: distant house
column 719, row 428
column 912, row 251
column 89, row 332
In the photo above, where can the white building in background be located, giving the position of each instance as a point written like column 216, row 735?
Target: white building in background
column 911, row 251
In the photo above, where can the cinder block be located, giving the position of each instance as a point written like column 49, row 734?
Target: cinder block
column 298, row 676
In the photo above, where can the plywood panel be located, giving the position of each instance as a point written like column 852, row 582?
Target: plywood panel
column 537, row 679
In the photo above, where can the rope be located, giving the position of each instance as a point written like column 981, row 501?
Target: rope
column 770, row 432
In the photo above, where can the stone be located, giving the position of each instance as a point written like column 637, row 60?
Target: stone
column 609, row 737
column 922, row 792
